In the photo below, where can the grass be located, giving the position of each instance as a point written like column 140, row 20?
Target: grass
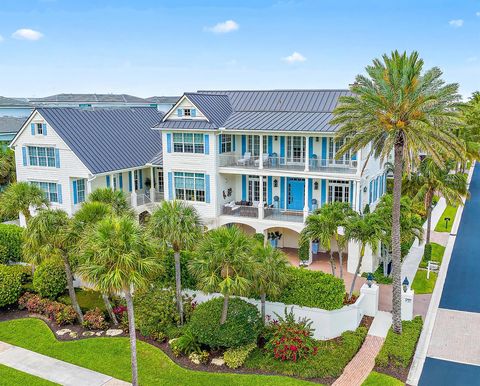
column 10, row 376
column 331, row 359
column 422, row 285
column 450, row 211
column 111, row 356
column 378, row 379
column 88, row 299
column 437, row 255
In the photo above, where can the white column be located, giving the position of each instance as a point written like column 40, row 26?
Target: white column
column 307, row 154
column 358, row 204
column 133, row 196
column 261, row 205
column 371, row 295
column 310, row 253
column 152, row 187
column 111, row 181
column 407, row 304
column 260, row 162
column 89, row 186
column 305, row 204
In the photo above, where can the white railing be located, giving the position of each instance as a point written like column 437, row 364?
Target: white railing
column 240, row 210
column 283, row 214
column 143, row 199
column 158, row 196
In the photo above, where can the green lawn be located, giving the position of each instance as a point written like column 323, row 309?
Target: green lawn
column 378, row 379
column 111, row 356
column 450, row 211
column 437, row 254
column 9, row 377
column 87, row 299
column 420, row 283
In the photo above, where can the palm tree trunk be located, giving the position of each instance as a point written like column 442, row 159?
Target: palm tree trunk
column 429, row 225
column 357, row 271
column 396, row 248
column 262, row 300
column 332, row 262
column 223, row 319
column 340, row 257
column 133, row 337
column 109, row 309
column 178, row 286
column 71, row 289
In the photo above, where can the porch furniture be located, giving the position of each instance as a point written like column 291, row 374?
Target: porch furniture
column 245, row 160
column 265, row 158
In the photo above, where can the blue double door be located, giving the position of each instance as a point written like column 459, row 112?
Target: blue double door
column 295, row 193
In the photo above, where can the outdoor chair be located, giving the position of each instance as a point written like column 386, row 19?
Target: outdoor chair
column 245, row 160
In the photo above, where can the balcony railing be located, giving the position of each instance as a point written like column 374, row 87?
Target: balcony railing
column 143, row 199
column 288, row 163
column 158, row 196
column 283, row 215
column 240, row 210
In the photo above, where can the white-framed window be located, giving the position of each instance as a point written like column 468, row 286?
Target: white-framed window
column 333, row 148
column 39, row 128
column 49, row 188
column 296, row 149
column 81, row 191
column 187, row 112
column 135, row 179
column 253, row 192
column 189, row 186
column 161, row 184
column 41, row 156
column 188, row 143
column 253, row 145
column 226, row 143
column 338, row 191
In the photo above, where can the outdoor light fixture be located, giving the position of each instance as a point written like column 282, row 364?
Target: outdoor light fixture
column 276, row 138
column 275, row 183
column 317, row 139
column 364, row 189
column 369, row 280
column 315, row 185
column 405, row 284
column 447, row 219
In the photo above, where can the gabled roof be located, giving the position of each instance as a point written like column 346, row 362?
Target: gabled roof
column 11, row 124
column 107, row 140
column 90, row 98
column 13, row 102
column 163, row 99
column 265, row 110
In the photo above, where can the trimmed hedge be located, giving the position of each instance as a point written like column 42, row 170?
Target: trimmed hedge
column 10, row 243
column 312, row 289
column 398, row 350
column 49, row 279
column 10, row 285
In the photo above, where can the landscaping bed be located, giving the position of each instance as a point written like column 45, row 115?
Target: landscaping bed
column 450, row 212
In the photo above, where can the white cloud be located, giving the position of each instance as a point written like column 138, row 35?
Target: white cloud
column 1, row 38
column 224, row 27
column 27, row 34
column 456, row 23
column 477, row 13
column 472, row 59
column 295, row 58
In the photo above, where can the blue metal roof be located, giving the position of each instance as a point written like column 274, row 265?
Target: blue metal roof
column 107, row 140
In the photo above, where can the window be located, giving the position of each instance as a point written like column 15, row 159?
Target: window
column 50, row 189
column 338, row 191
column 41, row 156
column 39, row 128
column 296, row 149
column 187, row 113
column 226, row 143
column 189, row 186
column 254, row 189
column 161, row 185
column 80, row 190
column 188, row 143
column 333, row 148
column 135, row 179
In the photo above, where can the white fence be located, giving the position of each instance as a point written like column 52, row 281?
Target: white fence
column 327, row 324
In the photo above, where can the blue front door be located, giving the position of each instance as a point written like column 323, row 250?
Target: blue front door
column 295, row 193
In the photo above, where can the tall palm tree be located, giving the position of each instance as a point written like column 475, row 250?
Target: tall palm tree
column 270, row 274
column 398, row 107
column 115, row 198
column 45, row 238
column 20, row 197
column 177, row 226
column 118, row 257
column 224, row 263
column 431, row 178
column 367, row 230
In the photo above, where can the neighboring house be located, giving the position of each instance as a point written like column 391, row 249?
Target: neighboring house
column 70, row 152
column 9, row 127
column 14, row 107
column 264, row 160
column 164, row 103
column 90, row 100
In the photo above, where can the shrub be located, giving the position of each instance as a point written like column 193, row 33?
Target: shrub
column 186, row 344
column 242, row 327
column 199, row 357
column 303, row 251
column 10, row 285
column 94, row 319
column 313, row 289
column 55, row 311
column 49, row 279
column 236, row 357
column 64, row 315
column 291, row 340
column 167, row 277
column 259, row 237
column 427, row 253
column 398, row 350
column 10, row 243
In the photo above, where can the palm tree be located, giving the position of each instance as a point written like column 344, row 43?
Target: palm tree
column 270, row 274
column 46, row 238
column 118, row 257
column 20, row 197
column 177, row 226
column 367, row 230
column 397, row 107
column 89, row 214
column 7, row 166
column 431, row 178
column 224, row 263
column 115, row 198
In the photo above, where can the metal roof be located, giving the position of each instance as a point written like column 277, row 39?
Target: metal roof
column 90, row 98
column 163, row 99
column 107, row 140
column 11, row 124
column 157, row 159
column 13, row 102
column 265, row 110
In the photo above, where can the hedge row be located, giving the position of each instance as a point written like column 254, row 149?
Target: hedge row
column 10, row 284
column 10, row 243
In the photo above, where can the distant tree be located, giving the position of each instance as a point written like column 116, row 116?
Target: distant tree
column 7, row 166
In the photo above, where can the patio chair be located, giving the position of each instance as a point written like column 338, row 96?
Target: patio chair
column 265, row 160
column 245, row 160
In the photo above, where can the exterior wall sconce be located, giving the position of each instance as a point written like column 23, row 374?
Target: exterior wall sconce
column 275, row 183
column 315, row 185
column 317, row 139
column 405, row 284
column 369, row 280
column 276, row 138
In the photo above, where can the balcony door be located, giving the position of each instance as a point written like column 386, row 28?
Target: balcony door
column 296, row 150
column 253, row 145
column 333, row 148
column 253, row 192
column 338, row 191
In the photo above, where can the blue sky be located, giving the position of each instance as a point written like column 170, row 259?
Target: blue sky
column 147, row 47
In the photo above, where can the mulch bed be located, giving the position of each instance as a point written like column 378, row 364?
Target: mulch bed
column 394, row 371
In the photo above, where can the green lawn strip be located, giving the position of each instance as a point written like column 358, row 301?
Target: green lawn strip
column 87, row 299
column 378, row 379
column 437, row 255
column 331, row 359
column 450, row 211
column 111, row 356
column 10, row 376
column 422, row 285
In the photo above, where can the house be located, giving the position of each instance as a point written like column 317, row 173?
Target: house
column 70, row 152
column 164, row 103
column 264, row 160
column 14, row 107
column 90, row 100
column 9, row 126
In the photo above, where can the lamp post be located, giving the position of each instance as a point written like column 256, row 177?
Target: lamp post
column 405, row 284
column 369, row 280
column 447, row 219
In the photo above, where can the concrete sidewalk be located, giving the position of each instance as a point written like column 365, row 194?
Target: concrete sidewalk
column 52, row 369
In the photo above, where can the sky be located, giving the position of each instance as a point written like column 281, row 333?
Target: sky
column 148, row 47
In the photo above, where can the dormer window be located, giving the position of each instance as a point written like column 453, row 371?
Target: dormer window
column 39, row 128
column 187, row 112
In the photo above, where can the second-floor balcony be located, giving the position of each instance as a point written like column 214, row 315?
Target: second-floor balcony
column 262, row 211
column 275, row 162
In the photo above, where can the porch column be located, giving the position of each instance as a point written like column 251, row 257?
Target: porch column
column 307, row 154
column 112, row 186
column 89, row 186
column 310, row 253
column 133, row 196
column 357, row 204
column 260, row 161
column 305, row 200
column 262, row 202
column 152, row 187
